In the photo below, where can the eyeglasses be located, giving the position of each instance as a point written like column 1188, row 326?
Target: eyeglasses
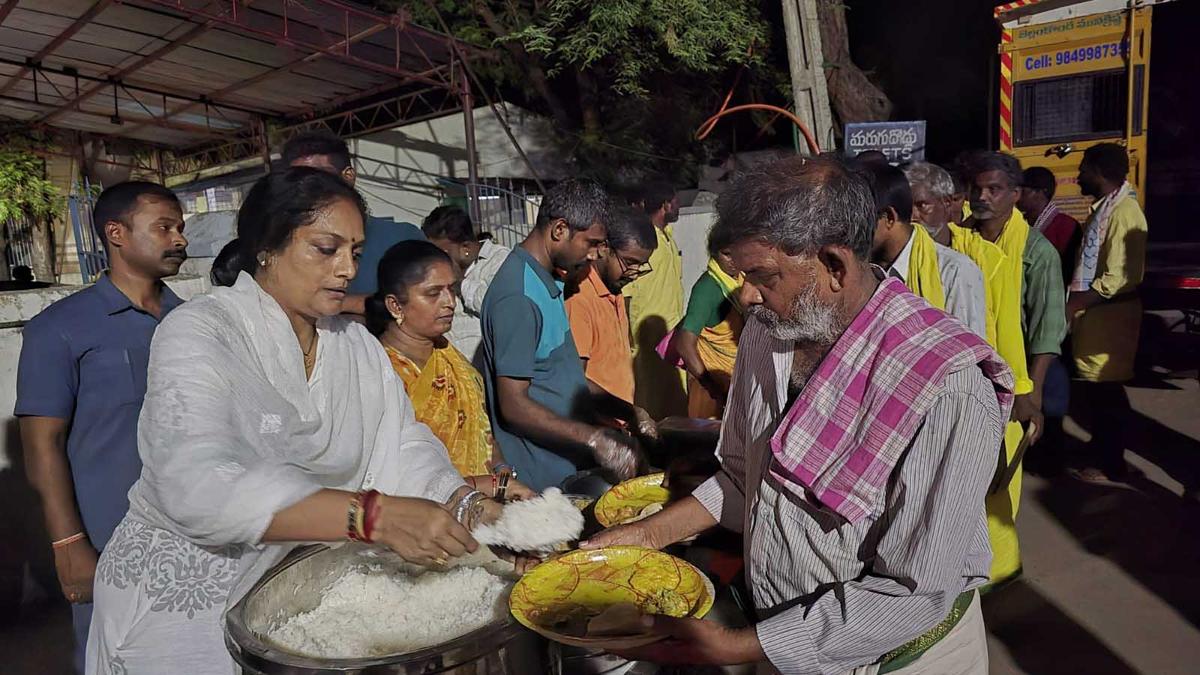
column 633, row 272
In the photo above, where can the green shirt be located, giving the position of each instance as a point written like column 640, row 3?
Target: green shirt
column 1043, row 301
column 707, row 305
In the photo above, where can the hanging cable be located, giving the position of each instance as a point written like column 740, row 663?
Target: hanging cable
column 706, row 128
column 711, row 122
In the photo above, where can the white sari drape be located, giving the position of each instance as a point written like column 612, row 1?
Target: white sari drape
column 230, row 433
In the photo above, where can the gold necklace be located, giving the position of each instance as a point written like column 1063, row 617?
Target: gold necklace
column 310, row 354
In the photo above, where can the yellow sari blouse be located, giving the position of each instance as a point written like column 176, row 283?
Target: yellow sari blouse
column 447, row 396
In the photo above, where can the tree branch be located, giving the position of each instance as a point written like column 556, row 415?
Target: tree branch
column 532, row 66
column 853, row 96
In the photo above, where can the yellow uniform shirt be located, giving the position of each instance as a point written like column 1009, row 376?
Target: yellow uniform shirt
column 1104, row 338
column 656, row 307
column 1002, row 279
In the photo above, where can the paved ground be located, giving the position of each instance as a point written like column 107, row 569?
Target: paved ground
column 1112, row 576
column 1111, row 582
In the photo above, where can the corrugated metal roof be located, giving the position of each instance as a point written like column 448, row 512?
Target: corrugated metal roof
column 185, row 73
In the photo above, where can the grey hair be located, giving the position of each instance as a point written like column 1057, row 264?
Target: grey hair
column 933, row 177
column 996, row 161
column 799, row 205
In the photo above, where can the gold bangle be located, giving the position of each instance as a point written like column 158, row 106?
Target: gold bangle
column 353, row 525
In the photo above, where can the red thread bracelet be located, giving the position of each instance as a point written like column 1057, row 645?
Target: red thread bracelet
column 371, row 508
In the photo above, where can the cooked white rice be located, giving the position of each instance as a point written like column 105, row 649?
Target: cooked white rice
column 538, row 525
column 378, row 609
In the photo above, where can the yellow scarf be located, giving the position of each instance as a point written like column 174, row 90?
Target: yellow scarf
column 989, row 258
column 1008, row 321
column 717, row 345
column 1003, row 279
column 728, row 284
column 447, row 396
column 924, row 279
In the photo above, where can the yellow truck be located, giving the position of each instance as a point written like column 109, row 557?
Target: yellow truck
column 1077, row 73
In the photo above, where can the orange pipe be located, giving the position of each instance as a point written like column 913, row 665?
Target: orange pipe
column 706, row 128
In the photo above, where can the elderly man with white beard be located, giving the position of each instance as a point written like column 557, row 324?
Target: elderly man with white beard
column 860, row 439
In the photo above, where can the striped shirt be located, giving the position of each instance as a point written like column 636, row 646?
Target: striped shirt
column 830, row 595
column 962, row 283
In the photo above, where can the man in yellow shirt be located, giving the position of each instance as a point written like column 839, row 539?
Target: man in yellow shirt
column 1104, row 305
column 656, row 307
column 1031, row 272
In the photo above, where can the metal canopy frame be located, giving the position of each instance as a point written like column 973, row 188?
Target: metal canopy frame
column 206, row 79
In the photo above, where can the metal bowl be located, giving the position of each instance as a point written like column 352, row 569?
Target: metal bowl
column 294, row 586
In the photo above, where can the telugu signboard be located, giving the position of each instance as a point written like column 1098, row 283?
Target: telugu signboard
column 900, row 141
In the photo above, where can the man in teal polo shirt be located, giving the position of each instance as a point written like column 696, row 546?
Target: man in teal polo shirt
column 538, row 398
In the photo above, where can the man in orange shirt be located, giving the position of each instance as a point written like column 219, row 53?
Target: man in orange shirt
column 599, row 320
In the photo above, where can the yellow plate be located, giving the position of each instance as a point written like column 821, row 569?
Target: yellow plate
column 623, row 503
column 590, row 581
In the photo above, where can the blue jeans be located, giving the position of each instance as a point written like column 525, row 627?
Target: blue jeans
column 1056, row 390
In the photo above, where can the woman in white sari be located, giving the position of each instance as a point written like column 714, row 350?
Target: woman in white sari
column 267, row 421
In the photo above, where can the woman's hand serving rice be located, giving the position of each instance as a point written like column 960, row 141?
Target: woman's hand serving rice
column 269, row 420
column 421, row 531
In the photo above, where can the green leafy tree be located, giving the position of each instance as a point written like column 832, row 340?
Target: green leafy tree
column 627, row 81
column 26, row 192
column 24, row 189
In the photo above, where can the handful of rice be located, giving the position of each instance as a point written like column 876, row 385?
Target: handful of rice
column 537, row 525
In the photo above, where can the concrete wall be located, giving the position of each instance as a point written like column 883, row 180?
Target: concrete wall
column 16, row 309
column 26, row 567
column 691, row 235
column 398, row 169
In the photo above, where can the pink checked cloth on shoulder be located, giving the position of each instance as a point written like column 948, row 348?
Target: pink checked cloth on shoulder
column 862, row 406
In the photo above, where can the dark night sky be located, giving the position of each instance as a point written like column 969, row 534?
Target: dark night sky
column 935, row 60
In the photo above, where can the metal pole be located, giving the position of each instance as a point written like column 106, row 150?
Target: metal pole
column 468, row 109
column 265, row 142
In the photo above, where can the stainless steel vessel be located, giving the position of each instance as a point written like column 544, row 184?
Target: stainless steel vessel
column 294, row 585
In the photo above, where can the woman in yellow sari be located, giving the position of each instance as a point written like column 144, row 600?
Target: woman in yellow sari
column 706, row 340
column 410, row 314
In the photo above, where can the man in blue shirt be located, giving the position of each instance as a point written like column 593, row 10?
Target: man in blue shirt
column 538, row 398
column 327, row 152
column 81, row 379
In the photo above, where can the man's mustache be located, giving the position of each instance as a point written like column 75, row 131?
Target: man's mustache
column 179, row 253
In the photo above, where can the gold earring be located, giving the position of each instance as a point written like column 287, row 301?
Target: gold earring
column 263, row 260
column 399, row 319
